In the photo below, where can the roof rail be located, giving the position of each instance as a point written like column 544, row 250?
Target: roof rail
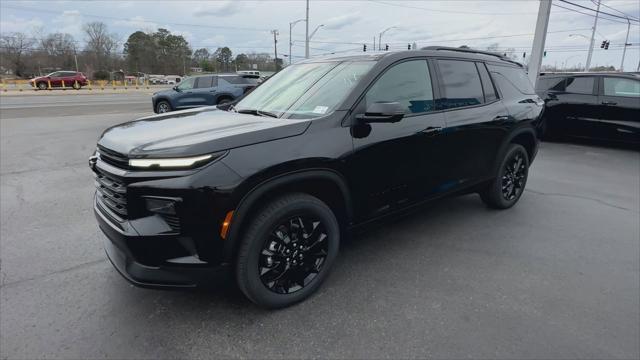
column 473, row 51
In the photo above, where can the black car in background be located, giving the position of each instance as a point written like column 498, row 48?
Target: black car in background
column 203, row 90
column 268, row 188
column 603, row 106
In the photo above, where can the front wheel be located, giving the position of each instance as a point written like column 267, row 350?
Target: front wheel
column 163, row 107
column 506, row 189
column 287, row 250
column 42, row 86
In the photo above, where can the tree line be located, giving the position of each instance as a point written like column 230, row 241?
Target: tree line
column 102, row 53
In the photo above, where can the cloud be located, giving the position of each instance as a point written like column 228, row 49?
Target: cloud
column 137, row 22
column 339, row 22
column 214, row 41
column 17, row 24
column 218, row 8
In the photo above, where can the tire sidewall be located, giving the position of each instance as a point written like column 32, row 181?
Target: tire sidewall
column 40, row 87
column 160, row 103
column 254, row 242
column 511, row 151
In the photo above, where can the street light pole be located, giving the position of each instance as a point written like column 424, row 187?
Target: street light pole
column 382, row 33
column 624, row 50
column 315, row 30
column 291, row 25
column 306, row 34
column 593, row 35
column 275, row 47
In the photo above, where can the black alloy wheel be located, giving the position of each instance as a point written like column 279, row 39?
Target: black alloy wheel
column 286, row 250
column 293, row 254
column 514, row 175
column 507, row 187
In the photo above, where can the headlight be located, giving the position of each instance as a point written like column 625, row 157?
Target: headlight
column 175, row 163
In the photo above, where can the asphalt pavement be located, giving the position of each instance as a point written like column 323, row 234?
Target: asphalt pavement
column 557, row 276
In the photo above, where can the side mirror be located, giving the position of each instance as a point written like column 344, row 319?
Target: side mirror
column 382, row 112
column 176, row 88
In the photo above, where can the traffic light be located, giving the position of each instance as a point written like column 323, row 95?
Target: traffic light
column 606, row 46
column 524, row 55
column 544, row 54
column 408, row 46
column 364, row 47
column 604, row 42
column 386, row 47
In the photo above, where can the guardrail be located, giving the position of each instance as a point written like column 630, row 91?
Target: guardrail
column 98, row 85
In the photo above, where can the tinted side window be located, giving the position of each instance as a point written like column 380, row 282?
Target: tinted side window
column 487, row 84
column 516, row 76
column 551, row 84
column 236, row 80
column 407, row 83
column 203, row 82
column 461, row 84
column 621, row 87
column 580, row 85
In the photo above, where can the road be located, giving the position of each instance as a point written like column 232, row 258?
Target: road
column 557, row 276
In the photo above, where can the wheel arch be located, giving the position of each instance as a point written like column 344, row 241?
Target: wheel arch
column 524, row 136
column 325, row 184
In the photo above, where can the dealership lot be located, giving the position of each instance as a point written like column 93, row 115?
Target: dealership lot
column 558, row 276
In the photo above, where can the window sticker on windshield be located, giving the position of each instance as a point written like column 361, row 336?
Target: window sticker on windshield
column 320, row 109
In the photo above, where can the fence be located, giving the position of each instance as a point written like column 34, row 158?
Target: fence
column 97, row 85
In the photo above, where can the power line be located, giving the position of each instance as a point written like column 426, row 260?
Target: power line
column 452, row 11
column 594, row 10
column 621, row 12
column 587, row 14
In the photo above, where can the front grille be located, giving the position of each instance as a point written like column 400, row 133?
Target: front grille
column 173, row 222
column 112, row 193
column 113, row 158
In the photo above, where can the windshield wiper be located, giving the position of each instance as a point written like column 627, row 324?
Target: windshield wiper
column 257, row 112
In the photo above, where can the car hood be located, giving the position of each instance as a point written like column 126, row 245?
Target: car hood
column 164, row 92
column 195, row 132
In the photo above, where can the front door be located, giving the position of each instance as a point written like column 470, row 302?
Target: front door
column 386, row 169
column 619, row 109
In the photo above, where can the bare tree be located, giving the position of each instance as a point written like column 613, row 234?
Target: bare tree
column 100, row 43
column 13, row 48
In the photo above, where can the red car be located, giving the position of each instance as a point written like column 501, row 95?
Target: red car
column 70, row 79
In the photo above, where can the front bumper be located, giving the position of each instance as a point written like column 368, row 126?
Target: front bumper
column 160, row 276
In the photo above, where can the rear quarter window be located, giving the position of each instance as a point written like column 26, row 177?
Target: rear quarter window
column 551, row 84
column 515, row 76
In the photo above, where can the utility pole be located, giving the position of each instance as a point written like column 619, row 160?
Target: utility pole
column 373, row 48
column 593, row 35
column 539, row 38
column 624, row 50
column 275, row 47
column 306, row 34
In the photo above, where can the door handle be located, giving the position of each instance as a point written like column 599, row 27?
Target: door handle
column 432, row 130
column 501, row 118
column 609, row 103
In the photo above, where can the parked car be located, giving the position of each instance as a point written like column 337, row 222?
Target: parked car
column 592, row 105
column 72, row 79
column 205, row 90
column 267, row 189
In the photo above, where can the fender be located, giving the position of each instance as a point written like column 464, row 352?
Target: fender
column 249, row 200
column 505, row 144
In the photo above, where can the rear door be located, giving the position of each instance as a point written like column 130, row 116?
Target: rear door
column 204, row 91
column 580, row 103
column 477, row 121
column 619, row 108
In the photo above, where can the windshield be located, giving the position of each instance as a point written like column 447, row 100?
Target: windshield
column 306, row 90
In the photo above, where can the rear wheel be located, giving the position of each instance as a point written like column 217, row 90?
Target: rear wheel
column 163, row 106
column 506, row 189
column 76, row 85
column 287, row 250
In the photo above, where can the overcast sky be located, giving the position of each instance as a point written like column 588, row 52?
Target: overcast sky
column 245, row 26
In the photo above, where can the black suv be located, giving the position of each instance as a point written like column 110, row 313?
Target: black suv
column 603, row 106
column 268, row 188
